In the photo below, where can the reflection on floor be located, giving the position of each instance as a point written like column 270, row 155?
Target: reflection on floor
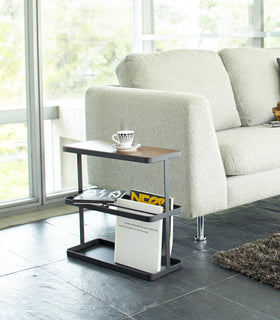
column 38, row 281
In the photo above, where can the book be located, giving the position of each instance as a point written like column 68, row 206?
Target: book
column 95, row 195
column 138, row 244
column 272, row 124
column 154, row 199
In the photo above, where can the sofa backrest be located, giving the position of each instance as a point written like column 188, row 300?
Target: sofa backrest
column 254, row 77
column 195, row 71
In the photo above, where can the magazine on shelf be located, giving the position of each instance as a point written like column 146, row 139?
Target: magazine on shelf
column 96, row 195
column 150, row 198
column 138, row 244
column 154, row 199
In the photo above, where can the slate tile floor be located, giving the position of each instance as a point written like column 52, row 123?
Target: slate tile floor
column 38, row 281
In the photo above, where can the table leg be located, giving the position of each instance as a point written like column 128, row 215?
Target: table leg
column 166, row 221
column 80, row 187
column 82, row 229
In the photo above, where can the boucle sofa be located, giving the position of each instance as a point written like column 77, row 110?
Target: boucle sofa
column 212, row 107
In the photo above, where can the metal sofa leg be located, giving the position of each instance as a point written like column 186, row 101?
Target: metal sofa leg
column 200, row 236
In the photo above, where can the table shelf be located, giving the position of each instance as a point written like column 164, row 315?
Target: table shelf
column 101, row 252
column 116, row 210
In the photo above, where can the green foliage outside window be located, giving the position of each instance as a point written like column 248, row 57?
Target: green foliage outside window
column 83, row 40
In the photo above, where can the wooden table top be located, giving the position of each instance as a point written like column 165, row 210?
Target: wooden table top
column 105, row 149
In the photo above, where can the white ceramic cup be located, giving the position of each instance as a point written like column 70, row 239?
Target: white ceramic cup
column 124, row 138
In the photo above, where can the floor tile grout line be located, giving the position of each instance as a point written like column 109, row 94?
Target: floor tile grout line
column 86, row 292
column 55, row 226
column 221, row 280
column 98, row 299
column 218, row 281
column 19, row 271
column 30, row 268
column 239, row 304
column 51, row 262
column 16, row 254
column 169, row 300
column 184, row 294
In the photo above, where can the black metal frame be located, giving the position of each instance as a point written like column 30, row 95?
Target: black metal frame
column 100, row 251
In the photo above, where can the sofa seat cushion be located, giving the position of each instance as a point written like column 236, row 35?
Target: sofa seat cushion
column 255, row 81
column 249, row 150
column 195, row 71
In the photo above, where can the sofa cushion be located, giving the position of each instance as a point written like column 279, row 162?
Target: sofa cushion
column 196, row 71
column 255, row 81
column 248, row 150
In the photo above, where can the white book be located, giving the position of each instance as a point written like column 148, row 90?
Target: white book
column 155, row 199
column 138, row 244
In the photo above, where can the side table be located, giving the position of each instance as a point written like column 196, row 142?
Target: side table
column 100, row 251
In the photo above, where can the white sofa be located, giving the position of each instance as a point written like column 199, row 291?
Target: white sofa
column 211, row 106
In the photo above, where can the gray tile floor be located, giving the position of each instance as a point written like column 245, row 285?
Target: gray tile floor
column 38, row 281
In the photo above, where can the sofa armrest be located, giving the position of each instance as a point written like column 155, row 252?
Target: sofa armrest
column 174, row 120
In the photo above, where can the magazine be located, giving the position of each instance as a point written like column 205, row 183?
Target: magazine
column 96, row 195
column 150, row 198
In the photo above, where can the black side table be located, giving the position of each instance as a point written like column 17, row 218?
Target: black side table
column 100, row 251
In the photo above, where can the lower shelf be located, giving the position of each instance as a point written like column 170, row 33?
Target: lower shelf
column 101, row 253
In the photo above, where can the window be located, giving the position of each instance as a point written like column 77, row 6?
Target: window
column 14, row 165
column 209, row 24
column 272, row 23
column 82, row 41
column 52, row 51
column 205, row 24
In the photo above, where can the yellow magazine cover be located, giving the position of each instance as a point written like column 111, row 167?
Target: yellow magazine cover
column 150, row 198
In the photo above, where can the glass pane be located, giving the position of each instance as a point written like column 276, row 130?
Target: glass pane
column 271, row 15
column 271, row 22
column 12, row 62
column 272, row 42
column 82, row 42
column 208, row 44
column 13, row 162
column 204, row 16
column 14, row 175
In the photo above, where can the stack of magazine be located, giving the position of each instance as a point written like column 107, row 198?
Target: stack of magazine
column 138, row 244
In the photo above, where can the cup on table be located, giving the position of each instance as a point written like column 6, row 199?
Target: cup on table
column 124, row 138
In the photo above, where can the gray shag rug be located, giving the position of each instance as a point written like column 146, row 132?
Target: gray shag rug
column 259, row 260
